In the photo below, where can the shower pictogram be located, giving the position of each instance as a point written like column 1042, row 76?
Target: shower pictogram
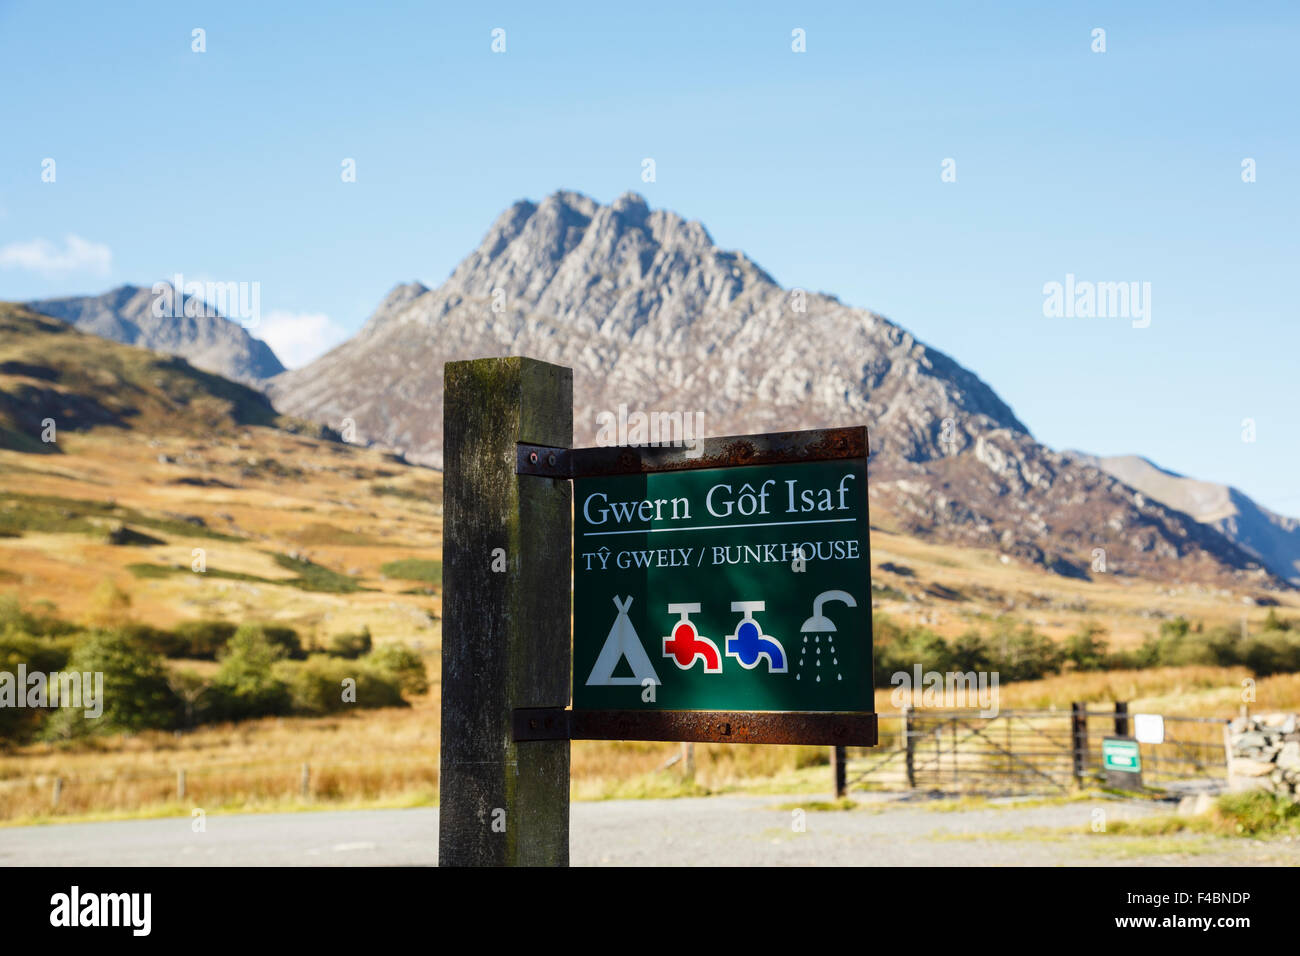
column 819, row 625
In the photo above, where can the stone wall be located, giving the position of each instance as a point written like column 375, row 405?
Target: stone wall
column 1265, row 753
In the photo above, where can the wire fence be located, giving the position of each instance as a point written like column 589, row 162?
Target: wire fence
column 218, row 784
column 959, row 751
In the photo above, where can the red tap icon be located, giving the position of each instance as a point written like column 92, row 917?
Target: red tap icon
column 685, row 646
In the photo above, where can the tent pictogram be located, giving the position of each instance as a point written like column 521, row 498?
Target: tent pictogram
column 622, row 642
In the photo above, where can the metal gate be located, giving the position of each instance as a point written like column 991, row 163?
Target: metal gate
column 1017, row 751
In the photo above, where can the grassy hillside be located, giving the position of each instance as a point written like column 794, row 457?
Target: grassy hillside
column 157, row 469
column 48, row 370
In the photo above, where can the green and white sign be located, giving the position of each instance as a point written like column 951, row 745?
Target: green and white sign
column 742, row 588
column 1121, row 754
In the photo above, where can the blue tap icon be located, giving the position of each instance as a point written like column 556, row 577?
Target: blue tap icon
column 749, row 644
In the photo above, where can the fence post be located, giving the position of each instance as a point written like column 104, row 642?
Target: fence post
column 838, row 761
column 180, row 783
column 507, row 543
column 911, row 748
column 58, row 790
column 956, row 777
column 1121, row 718
column 1079, row 739
column 1227, row 751
column 688, row 761
column 304, row 789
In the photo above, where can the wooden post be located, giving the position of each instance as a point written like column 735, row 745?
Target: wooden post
column 1079, row 740
column 838, row 761
column 58, row 790
column 180, row 783
column 304, row 789
column 956, row 777
column 688, row 761
column 507, row 543
column 1121, row 718
column 1227, row 753
column 911, row 748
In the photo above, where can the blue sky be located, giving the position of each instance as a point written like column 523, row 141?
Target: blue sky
column 822, row 166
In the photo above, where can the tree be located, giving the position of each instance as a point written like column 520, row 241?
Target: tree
column 404, row 665
column 190, row 688
column 1086, row 649
column 244, row 683
column 136, row 695
column 110, row 606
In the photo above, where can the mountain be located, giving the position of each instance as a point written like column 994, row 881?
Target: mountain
column 1272, row 538
column 197, row 332
column 50, row 373
column 651, row 314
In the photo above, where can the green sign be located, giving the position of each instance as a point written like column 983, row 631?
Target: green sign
column 737, row 588
column 1120, row 754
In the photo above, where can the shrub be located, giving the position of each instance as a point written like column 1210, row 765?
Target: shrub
column 285, row 637
column 194, row 694
column 1086, row 650
column 37, row 623
column 136, row 694
column 19, row 724
column 245, row 685
column 401, row 664
column 970, row 652
column 202, row 640
column 350, row 646
column 1021, row 654
column 38, row 653
column 1273, row 652
column 110, row 606
column 153, row 639
column 319, row 685
column 1274, row 623
column 1258, row 813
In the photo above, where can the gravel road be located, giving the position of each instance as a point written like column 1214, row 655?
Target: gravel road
column 724, row 830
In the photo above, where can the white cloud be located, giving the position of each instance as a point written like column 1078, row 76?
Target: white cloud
column 299, row 337
column 45, row 257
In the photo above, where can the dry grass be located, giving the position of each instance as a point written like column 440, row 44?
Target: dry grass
column 354, row 510
column 1199, row 691
column 389, row 757
column 1130, row 609
column 364, row 758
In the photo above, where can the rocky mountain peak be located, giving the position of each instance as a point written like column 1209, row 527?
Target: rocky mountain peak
column 172, row 323
column 651, row 315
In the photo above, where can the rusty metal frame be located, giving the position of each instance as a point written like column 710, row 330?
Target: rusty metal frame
column 812, row 728
column 821, row 444
column 696, row 726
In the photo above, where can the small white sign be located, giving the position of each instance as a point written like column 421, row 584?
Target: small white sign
column 1149, row 728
